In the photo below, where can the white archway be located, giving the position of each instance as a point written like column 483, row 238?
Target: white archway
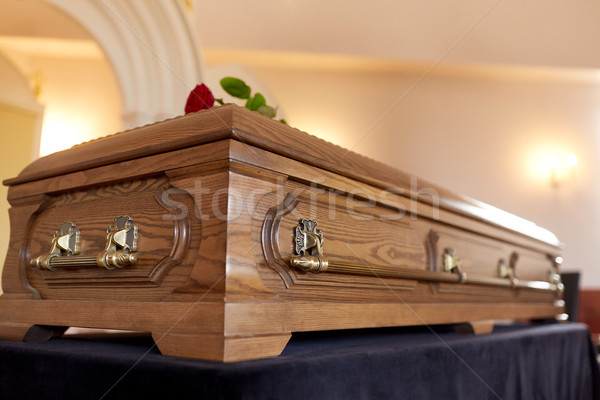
column 152, row 49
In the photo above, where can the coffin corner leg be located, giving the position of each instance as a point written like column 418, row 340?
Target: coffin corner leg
column 217, row 347
column 475, row 327
column 27, row 332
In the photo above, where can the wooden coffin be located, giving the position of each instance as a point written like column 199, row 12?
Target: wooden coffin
column 222, row 232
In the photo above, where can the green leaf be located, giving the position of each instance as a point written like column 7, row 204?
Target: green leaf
column 220, row 101
column 236, row 87
column 268, row 111
column 283, row 121
column 255, row 102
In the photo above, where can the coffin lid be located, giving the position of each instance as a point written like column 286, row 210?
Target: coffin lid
column 237, row 123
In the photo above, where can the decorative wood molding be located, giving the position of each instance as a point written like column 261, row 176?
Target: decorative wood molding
column 182, row 231
column 269, row 238
column 24, row 211
column 512, row 262
column 433, row 261
column 151, row 266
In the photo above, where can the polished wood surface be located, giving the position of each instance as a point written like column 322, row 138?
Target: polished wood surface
column 240, row 124
column 217, row 196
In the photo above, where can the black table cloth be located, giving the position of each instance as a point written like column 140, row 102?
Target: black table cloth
column 554, row 361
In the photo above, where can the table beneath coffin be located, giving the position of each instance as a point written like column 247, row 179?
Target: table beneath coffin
column 514, row 362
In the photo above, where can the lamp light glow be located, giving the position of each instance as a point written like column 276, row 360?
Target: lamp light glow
column 61, row 131
column 553, row 165
column 562, row 168
column 571, row 160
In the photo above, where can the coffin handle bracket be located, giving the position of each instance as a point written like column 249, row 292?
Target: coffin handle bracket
column 308, row 243
column 121, row 244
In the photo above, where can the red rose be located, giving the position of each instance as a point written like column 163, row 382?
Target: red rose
column 199, row 99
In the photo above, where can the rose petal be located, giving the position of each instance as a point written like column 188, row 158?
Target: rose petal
column 200, row 98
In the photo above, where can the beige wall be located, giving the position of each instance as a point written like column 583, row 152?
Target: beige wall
column 18, row 129
column 82, row 100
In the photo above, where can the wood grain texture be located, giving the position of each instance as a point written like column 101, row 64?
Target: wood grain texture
column 167, row 238
column 14, row 275
column 220, row 348
column 250, row 128
column 125, row 171
column 240, row 331
column 14, row 330
column 217, row 196
column 304, row 316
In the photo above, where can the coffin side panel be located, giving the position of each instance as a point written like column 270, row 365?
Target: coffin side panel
column 14, row 275
column 167, row 239
column 361, row 228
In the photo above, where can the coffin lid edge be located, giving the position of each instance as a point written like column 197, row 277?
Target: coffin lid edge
column 238, row 123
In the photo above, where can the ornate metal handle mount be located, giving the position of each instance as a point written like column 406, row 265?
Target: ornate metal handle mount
column 309, row 249
column 121, row 244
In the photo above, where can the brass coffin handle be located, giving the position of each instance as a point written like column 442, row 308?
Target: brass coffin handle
column 121, row 244
column 309, row 249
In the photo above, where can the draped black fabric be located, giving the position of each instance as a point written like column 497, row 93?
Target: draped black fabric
column 553, row 362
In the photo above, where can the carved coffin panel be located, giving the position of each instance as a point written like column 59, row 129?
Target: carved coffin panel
column 164, row 234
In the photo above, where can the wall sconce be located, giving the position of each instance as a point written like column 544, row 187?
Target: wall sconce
column 561, row 169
